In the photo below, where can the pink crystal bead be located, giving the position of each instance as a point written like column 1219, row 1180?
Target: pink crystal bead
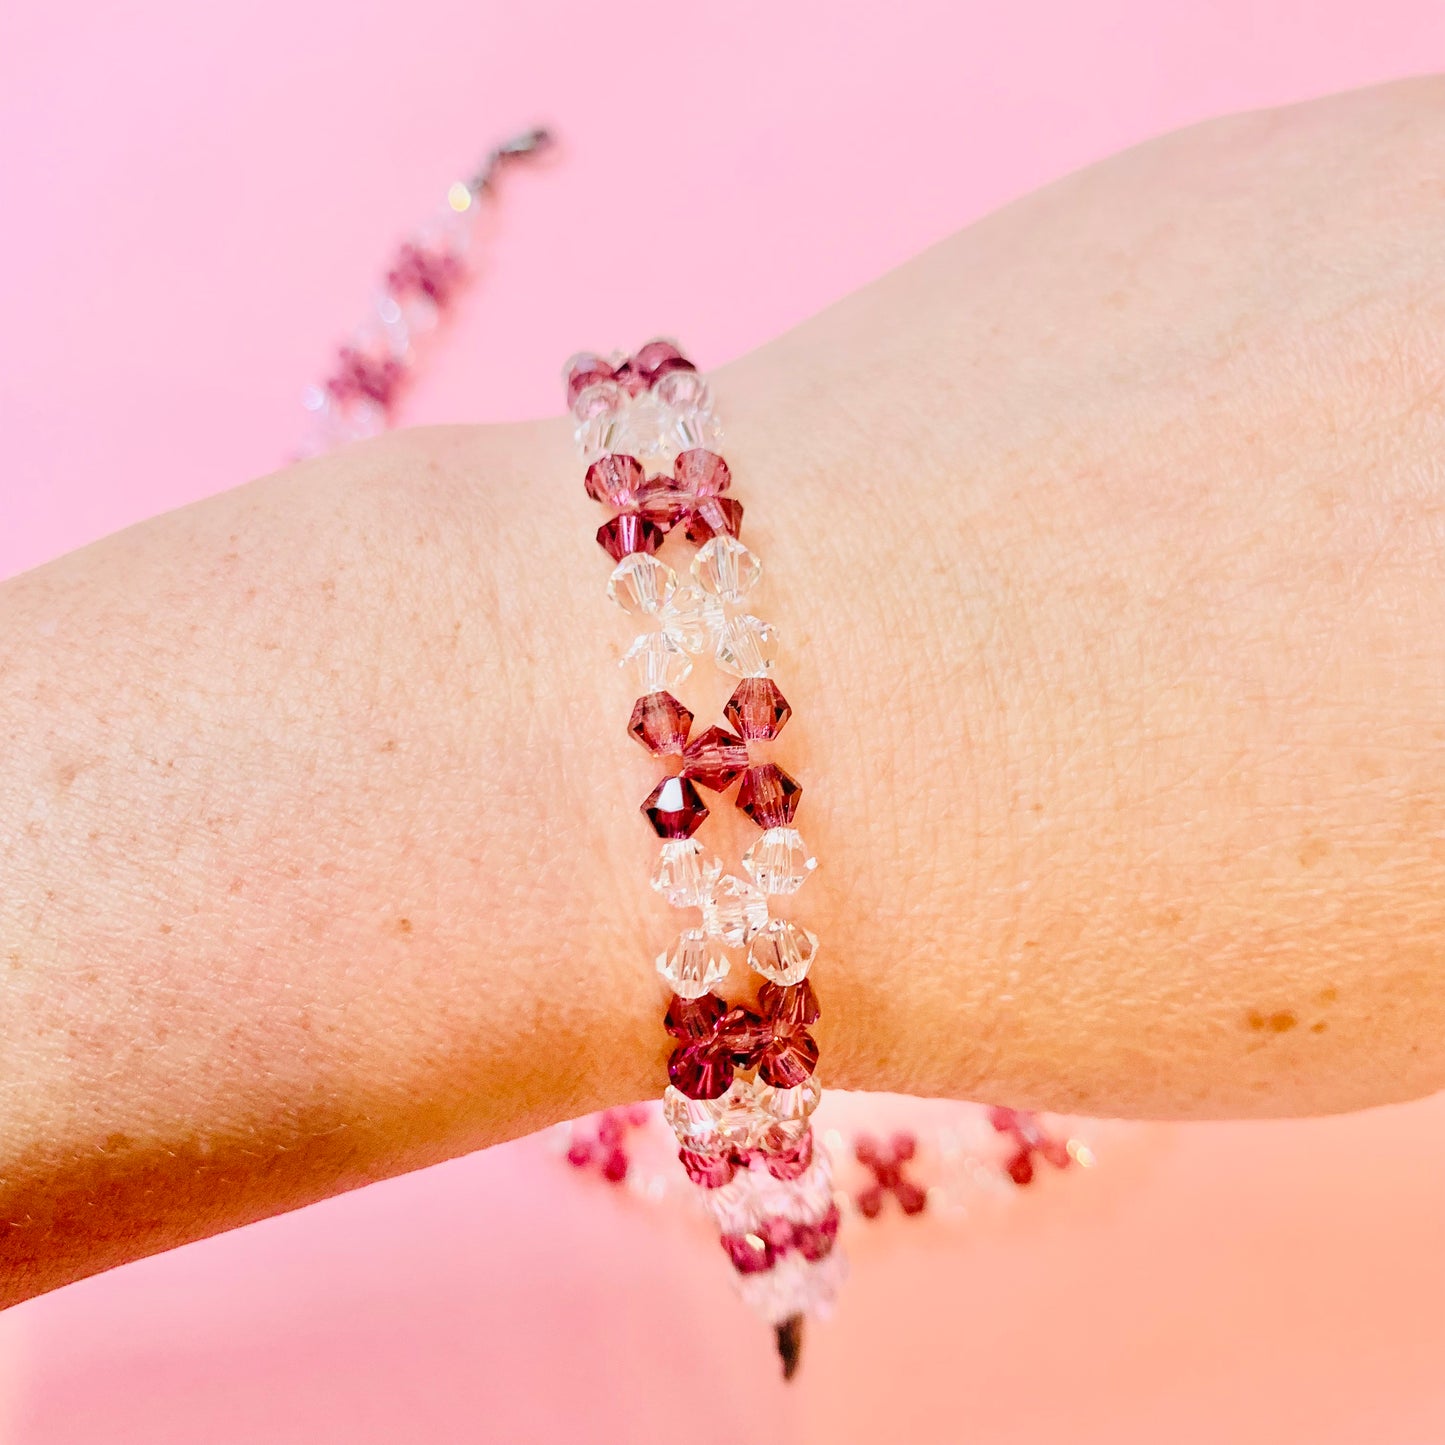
column 360, row 375
column 711, row 517
column 701, row 1071
column 615, row 481
column 707, row 1171
column 750, row 1253
column 426, row 273
column 714, row 758
column 584, row 371
column 654, row 355
column 788, row 1060
column 701, row 472
column 789, row 1007
column 660, row 723
column 630, row 378
column 675, row 808
column 629, row 532
column 757, row 709
column 694, row 1019
column 791, row 1161
column 816, row 1241
column 769, row 796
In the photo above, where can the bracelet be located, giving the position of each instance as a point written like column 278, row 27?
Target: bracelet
column 741, row 1083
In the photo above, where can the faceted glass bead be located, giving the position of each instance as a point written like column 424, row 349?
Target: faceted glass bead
column 714, row 758
column 641, row 584
column 615, row 481
column 694, row 965
column 713, row 517
column 788, row 1061
column 746, row 1034
column 790, row 1007
column 660, row 723
column 694, row 1121
column 657, row 661
column 694, row 426
column 779, row 861
column 702, row 473
column 654, row 354
column 791, row 1106
column 782, row 951
column 734, row 910
column 676, row 810
column 750, row 1253
column 769, row 796
column 584, row 371
column 694, row 1020
column 646, row 428
column 746, row 647
column 686, row 391
column 685, row 873
column 792, row 1162
column 701, row 1071
column 628, row 532
column 726, row 568
column 707, row 1171
column 757, row 709
column 693, row 616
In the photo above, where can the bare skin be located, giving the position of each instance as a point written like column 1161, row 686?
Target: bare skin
column 1107, row 542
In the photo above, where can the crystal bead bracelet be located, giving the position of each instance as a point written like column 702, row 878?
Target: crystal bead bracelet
column 742, row 1085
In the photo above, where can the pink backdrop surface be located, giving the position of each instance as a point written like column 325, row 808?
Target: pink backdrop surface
column 196, row 201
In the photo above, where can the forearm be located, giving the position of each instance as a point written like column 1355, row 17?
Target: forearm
column 1111, row 608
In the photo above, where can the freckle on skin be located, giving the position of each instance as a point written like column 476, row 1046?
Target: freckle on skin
column 389, row 746
column 1276, row 1023
column 1312, row 850
column 1328, row 995
column 1319, row 1028
column 165, row 928
column 403, row 925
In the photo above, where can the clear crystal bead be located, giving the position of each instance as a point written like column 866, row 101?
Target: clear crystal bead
column 685, row 874
column 697, row 429
column 601, row 399
column 733, row 910
column 646, row 428
column 695, row 1121
column 640, row 583
column 657, row 661
column 791, row 1106
column 779, row 861
column 746, row 647
column 782, row 951
column 694, row 965
column 686, row 391
column 694, row 616
column 726, row 568
column 794, row 1286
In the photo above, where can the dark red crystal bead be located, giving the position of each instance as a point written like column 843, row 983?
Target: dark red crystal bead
column 789, row 1006
column 1021, row 1167
column 660, row 723
column 769, row 796
column 745, row 1035
column 694, row 1019
column 701, row 1071
column 714, row 758
column 701, row 472
column 675, row 808
column 706, row 1170
column 666, row 368
column 614, row 1167
column 816, row 1241
column 750, row 1253
column 615, row 481
column 629, row 532
column 579, row 1154
column 432, row 274
column 788, row 1061
column 712, row 516
column 360, row 375
column 757, row 709
column 870, row 1201
column 910, row 1196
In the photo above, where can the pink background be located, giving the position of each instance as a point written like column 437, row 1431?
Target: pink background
column 196, row 199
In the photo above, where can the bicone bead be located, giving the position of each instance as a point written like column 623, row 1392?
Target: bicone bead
column 779, row 861
column 726, row 568
column 790, row 1007
column 684, row 390
column 660, row 723
column 782, row 951
column 675, row 809
column 685, row 873
column 655, row 354
column 707, row 1171
column 694, row 1020
column 641, row 584
column 695, row 617
column 713, row 517
column 769, row 796
column 585, row 370
column 701, row 472
column 615, row 481
column 788, row 1060
column 658, row 661
column 750, row 1253
column 714, row 758
column 793, row 1160
column 757, row 709
column 694, row 965
column 733, row 910
column 629, row 532
column 700, row 1071
column 746, row 647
